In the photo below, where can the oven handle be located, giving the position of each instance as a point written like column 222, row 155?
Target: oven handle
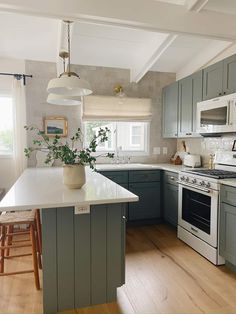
column 194, row 186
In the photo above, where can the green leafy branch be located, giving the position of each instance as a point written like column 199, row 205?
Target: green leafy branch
column 66, row 152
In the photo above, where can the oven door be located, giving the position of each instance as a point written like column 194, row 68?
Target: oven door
column 198, row 211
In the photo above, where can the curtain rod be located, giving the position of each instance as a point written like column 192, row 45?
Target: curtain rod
column 18, row 76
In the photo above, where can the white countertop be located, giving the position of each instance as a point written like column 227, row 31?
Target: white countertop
column 118, row 167
column 230, row 182
column 44, row 188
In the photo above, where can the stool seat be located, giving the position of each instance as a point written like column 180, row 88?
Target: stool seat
column 21, row 217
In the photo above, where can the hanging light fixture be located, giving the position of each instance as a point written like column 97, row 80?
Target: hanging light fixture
column 64, row 100
column 69, row 83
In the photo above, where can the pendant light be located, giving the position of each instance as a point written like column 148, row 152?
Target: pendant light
column 69, row 83
column 64, row 100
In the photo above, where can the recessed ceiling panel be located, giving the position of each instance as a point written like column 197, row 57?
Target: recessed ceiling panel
column 222, row 6
column 104, row 45
column 28, row 37
column 183, row 50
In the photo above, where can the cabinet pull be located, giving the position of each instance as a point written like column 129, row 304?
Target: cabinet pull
column 124, row 218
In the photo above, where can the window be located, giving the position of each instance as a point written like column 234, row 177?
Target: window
column 125, row 137
column 6, row 125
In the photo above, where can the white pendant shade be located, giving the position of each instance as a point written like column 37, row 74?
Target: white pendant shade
column 63, row 100
column 69, row 86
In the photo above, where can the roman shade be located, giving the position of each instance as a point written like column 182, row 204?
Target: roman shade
column 112, row 108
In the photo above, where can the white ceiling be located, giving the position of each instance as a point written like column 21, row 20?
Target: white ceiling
column 38, row 38
column 111, row 46
column 222, row 6
column 28, row 37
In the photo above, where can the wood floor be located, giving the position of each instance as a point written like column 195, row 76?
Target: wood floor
column 163, row 275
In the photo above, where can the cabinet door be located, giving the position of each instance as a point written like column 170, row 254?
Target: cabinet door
column 213, row 81
column 148, row 206
column 170, row 111
column 190, row 93
column 171, row 204
column 185, row 124
column 197, row 81
column 229, row 78
column 227, row 245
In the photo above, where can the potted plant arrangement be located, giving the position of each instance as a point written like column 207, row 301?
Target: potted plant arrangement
column 73, row 158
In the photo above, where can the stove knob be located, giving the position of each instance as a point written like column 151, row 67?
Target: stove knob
column 187, row 179
column 208, row 185
column 182, row 178
column 194, row 181
column 202, row 183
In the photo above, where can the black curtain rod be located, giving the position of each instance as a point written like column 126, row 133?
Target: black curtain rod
column 18, row 76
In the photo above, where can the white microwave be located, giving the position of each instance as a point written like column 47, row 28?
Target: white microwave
column 217, row 115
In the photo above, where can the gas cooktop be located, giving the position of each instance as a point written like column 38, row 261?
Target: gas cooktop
column 214, row 173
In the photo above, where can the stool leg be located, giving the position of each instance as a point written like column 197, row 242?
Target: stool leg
column 9, row 238
column 39, row 231
column 2, row 251
column 34, row 255
column 38, row 246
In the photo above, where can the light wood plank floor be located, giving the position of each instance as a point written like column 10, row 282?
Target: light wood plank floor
column 163, row 275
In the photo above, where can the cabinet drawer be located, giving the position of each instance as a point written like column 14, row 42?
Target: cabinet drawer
column 144, row 176
column 228, row 195
column 116, row 176
column 171, row 177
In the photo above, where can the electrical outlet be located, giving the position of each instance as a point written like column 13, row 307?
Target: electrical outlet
column 79, row 210
column 164, row 150
column 156, row 150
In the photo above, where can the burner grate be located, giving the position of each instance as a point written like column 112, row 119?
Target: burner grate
column 215, row 173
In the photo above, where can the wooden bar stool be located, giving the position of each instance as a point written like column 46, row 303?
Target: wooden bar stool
column 7, row 222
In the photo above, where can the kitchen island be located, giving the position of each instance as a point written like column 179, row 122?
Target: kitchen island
column 83, row 235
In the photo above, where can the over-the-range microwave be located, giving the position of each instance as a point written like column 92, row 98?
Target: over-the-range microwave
column 217, row 115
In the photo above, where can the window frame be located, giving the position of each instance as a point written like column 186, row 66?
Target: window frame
column 10, row 155
column 116, row 151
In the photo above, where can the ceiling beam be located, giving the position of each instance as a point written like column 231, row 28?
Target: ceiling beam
column 144, row 65
column 196, row 5
column 144, row 14
column 201, row 60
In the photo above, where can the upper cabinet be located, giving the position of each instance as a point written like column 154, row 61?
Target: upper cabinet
column 213, row 81
column 170, row 110
column 220, row 78
column 180, row 98
column 229, row 75
column 190, row 93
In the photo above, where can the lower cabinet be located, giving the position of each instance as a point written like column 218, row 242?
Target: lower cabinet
column 157, row 199
column 227, row 243
column 149, row 206
column 145, row 184
column 170, row 198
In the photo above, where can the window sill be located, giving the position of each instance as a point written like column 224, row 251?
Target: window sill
column 6, row 156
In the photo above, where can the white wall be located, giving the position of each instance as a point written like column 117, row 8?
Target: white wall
column 7, row 176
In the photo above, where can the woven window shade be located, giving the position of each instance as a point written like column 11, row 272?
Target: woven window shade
column 109, row 108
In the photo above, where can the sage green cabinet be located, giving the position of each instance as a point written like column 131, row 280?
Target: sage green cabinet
column 145, row 184
column 170, row 201
column 149, row 205
column 229, row 75
column 170, row 111
column 220, row 78
column 213, row 81
column 227, row 231
column 190, row 93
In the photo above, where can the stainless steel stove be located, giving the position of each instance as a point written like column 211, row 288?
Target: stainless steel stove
column 198, row 209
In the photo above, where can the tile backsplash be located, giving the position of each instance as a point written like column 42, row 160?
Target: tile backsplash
column 206, row 146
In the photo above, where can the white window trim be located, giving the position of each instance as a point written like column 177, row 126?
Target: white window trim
column 145, row 152
column 6, row 93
